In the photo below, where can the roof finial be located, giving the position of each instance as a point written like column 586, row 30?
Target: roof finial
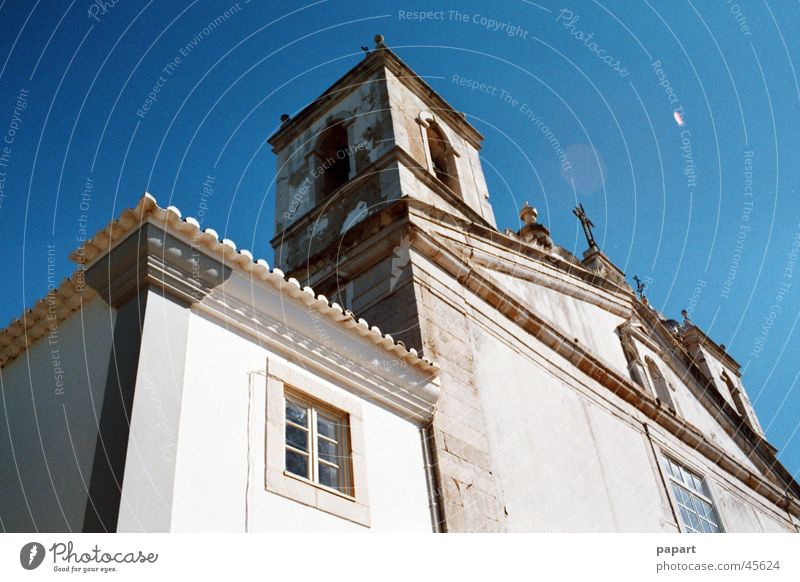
column 379, row 41
column 528, row 214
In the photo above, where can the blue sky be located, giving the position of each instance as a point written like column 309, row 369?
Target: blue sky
column 706, row 212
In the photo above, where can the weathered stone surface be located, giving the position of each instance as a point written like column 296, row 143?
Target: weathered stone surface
column 537, row 400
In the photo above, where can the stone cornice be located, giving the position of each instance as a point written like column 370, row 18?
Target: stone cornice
column 354, row 238
column 695, row 335
column 373, row 62
column 395, row 155
column 156, row 248
column 491, row 236
column 594, row 368
column 394, row 381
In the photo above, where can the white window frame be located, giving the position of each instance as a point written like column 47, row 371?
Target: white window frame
column 282, row 379
column 704, row 495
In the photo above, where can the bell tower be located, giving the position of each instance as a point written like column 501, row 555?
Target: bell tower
column 362, row 172
column 373, row 145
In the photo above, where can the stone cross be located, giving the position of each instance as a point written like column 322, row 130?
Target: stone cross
column 640, row 285
column 587, row 225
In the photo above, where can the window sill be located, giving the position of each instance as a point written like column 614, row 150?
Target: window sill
column 320, row 486
column 278, row 480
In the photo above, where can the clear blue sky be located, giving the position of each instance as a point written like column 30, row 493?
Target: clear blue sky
column 671, row 203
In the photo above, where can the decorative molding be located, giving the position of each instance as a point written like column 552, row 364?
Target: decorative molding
column 583, row 360
column 412, row 395
column 165, row 252
column 383, row 58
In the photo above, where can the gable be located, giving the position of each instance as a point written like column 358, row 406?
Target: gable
column 592, row 326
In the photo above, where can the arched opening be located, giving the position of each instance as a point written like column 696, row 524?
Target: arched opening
column 443, row 157
column 736, row 396
column 660, row 384
column 334, row 161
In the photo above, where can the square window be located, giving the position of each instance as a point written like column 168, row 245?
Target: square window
column 314, row 444
column 317, row 438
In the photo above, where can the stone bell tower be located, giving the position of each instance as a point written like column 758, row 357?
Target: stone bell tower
column 357, row 169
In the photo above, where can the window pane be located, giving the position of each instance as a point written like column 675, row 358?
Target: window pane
column 694, row 520
column 297, row 463
column 668, row 466
column 327, row 426
column 328, row 451
column 685, row 517
column 329, row 476
column 698, row 506
column 297, row 437
column 680, row 494
column 296, row 414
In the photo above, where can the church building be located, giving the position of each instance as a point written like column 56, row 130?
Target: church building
column 403, row 366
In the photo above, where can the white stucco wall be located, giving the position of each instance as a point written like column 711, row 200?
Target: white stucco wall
column 564, row 462
column 147, row 490
column 592, row 326
column 567, row 460
column 47, row 438
column 211, row 480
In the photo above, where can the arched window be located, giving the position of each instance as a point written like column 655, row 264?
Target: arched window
column 334, row 162
column 660, row 384
column 443, row 157
column 736, row 395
